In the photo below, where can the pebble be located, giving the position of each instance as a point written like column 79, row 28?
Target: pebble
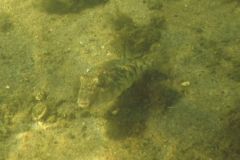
column 185, row 84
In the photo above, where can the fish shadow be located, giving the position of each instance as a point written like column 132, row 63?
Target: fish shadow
column 129, row 114
column 61, row 7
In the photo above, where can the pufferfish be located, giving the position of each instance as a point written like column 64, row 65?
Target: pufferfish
column 108, row 81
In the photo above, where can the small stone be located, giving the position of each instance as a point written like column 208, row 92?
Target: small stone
column 7, row 87
column 109, row 54
column 185, row 84
column 115, row 112
column 87, row 70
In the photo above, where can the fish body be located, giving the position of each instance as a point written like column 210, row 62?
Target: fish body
column 105, row 83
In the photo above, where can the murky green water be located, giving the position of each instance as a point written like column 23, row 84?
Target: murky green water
column 119, row 80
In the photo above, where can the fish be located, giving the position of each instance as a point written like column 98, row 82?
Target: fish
column 104, row 83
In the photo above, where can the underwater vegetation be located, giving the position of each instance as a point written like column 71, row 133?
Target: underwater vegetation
column 136, row 40
column 69, row 6
column 5, row 23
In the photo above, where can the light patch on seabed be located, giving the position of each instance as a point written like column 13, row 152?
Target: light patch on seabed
column 62, row 143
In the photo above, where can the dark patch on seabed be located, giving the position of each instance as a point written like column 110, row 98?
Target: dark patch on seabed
column 154, row 5
column 6, row 24
column 234, row 74
column 136, row 40
column 233, row 1
column 229, row 138
column 69, row 6
column 128, row 116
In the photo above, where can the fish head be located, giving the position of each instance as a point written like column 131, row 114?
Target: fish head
column 87, row 90
column 98, row 87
